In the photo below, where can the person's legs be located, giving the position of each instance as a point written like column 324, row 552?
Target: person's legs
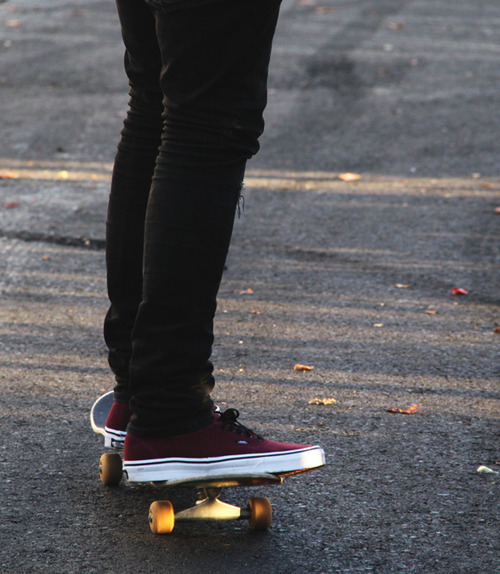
column 213, row 80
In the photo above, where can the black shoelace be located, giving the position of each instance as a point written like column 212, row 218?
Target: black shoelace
column 229, row 420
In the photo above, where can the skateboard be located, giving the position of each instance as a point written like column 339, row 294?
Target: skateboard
column 162, row 516
column 99, row 415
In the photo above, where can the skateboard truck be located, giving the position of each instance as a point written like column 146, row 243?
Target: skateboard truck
column 162, row 517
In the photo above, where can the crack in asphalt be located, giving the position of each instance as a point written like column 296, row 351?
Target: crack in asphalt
column 54, row 239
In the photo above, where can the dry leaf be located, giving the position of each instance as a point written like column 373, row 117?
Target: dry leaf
column 401, row 286
column 10, row 205
column 459, row 291
column 378, row 325
column 8, row 175
column 410, row 411
column 486, row 470
column 395, row 25
column 14, row 23
column 497, row 209
column 329, row 401
column 246, row 292
column 431, row 312
column 497, row 330
column 303, row 368
column 349, row 176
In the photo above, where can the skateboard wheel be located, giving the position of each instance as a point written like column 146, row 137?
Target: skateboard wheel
column 161, row 517
column 110, row 469
column 261, row 513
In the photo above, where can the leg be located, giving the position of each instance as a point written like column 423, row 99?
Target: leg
column 214, row 70
column 132, row 174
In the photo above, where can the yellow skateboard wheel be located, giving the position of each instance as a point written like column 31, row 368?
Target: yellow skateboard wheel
column 261, row 513
column 161, row 517
column 110, row 469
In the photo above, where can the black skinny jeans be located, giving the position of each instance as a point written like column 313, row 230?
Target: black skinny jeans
column 197, row 71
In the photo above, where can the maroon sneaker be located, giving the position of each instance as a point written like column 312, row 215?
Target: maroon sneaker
column 225, row 447
column 115, row 430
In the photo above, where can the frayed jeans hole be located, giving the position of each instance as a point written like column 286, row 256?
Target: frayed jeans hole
column 240, row 206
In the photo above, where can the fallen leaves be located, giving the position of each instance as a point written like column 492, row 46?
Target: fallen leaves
column 303, row 368
column 8, row 174
column 349, row 176
column 13, row 23
column 409, row 411
column 395, row 25
column 329, row 401
column 454, row 290
column 486, row 470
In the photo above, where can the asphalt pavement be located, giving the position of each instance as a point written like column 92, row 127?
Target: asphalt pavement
column 385, row 281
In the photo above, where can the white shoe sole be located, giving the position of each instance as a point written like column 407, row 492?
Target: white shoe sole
column 170, row 469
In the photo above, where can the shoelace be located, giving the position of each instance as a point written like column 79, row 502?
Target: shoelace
column 229, row 419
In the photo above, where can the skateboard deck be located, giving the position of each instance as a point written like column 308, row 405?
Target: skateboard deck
column 162, row 516
column 100, row 411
